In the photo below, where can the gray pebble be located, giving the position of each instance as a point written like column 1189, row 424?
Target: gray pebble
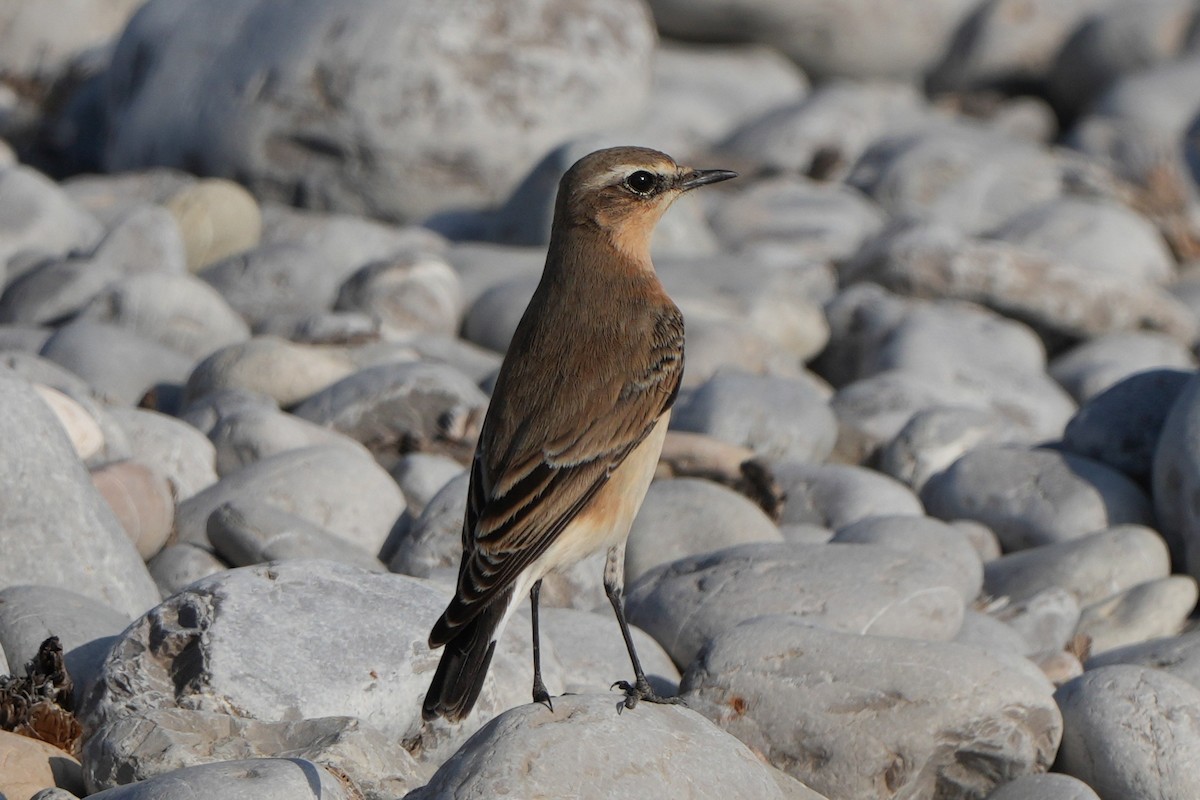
column 177, row 311
column 874, row 710
column 925, row 536
column 773, row 416
column 277, row 368
column 1120, row 425
column 493, row 316
column 115, row 362
column 244, row 532
column 935, row 438
column 160, row 741
column 332, row 486
column 249, row 779
column 685, row 604
column 1100, row 363
column 1133, row 730
column 216, row 219
column 421, row 476
column 55, row 528
column 838, row 495
column 252, row 433
column 178, row 565
column 1176, row 478
column 690, row 516
column 593, row 655
column 1046, row 620
column 142, row 499
column 408, row 292
column 1092, row 567
column 433, row 540
column 50, row 221
column 586, row 750
column 988, row 633
column 182, row 453
column 1044, row 787
column 1032, row 496
column 1147, row 611
column 1177, row 655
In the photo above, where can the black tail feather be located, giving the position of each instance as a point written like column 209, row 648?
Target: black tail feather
column 459, row 677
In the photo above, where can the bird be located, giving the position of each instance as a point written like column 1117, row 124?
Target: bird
column 576, row 422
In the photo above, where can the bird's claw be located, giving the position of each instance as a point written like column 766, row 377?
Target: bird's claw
column 540, row 695
column 641, row 690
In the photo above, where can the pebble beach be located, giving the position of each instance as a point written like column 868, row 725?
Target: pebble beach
column 926, row 524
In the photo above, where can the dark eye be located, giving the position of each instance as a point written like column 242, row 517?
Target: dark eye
column 641, row 181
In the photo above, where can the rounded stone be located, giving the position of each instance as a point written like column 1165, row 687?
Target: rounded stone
column 1032, row 496
column 245, row 533
column 687, row 603
column 1098, row 364
column 690, row 516
column 876, row 711
column 773, row 416
column 1050, row 786
column 243, row 436
column 39, row 216
column 178, row 565
column 838, row 495
column 27, row 765
column 1092, row 567
column 143, row 501
column 437, row 107
column 284, row 371
column 935, row 438
column 1176, row 478
column 593, row 654
column 179, row 451
column 217, row 218
column 1176, row 655
column 1133, row 730
column 410, row 292
column 332, row 486
column 586, row 750
column 249, row 779
column 87, row 438
column 1147, row 611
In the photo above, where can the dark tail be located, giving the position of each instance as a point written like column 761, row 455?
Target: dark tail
column 459, row 677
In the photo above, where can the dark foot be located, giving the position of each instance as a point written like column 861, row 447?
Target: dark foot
column 540, row 695
column 641, row 691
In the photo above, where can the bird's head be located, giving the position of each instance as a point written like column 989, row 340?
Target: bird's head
column 624, row 191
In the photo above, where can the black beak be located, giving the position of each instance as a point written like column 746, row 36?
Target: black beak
column 700, row 177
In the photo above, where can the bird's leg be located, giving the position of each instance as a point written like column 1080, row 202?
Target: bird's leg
column 614, row 587
column 540, row 695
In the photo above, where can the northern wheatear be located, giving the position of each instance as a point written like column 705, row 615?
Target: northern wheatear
column 576, row 421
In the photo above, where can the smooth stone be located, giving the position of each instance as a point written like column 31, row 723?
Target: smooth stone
column 586, row 750
column 217, row 218
column 982, row 537
column 1097, row 235
column 691, row 516
column 331, row 486
column 244, row 533
column 475, row 362
column 408, row 292
column 1050, row 786
column 1147, row 611
column 421, row 476
column 988, row 633
column 1092, row 567
column 39, row 216
column 145, row 239
column 87, row 438
column 935, row 438
column 53, row 383
column 115, row 362
column 109, row 197
column 179, row 451
column 823, row 134
column 805, row 533
column 1011, row 42
column 247, row 435
column 264, row 621
column 28, row 765
column 1060, row 301
column 142, row 499
column 29, row 615
column 1120, row 426
column 699, row 94
column 685, row 604
column 482, row 265
column 1175, row 479
column 1098, row 364
column 1177, row 655
column 1046, row 620
column 593, row 653
column 860, row 40
column 837, row 219
column 923, row 536
column 475, row 75
column 773, row 416
column 248, row 779
column 138, row 748
column 179, row 565
column 433, row 539
column 881, row 717
column 1032, row 496
column 954, row 174
column 722, row 339
column 493, row 316
column 838, row 495
column 341, row 328
column 178, row 311
column 286, row 372
column 396, row 408
column 1132, row 730
column 686, row 454
column 23, row 338
column 55, row 528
